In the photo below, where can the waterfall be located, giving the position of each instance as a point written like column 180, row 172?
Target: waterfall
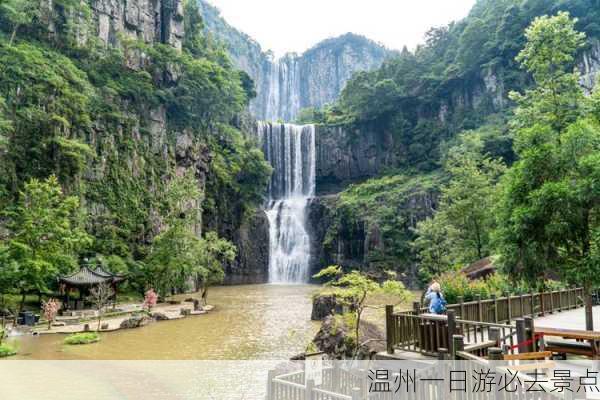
column 290, row 149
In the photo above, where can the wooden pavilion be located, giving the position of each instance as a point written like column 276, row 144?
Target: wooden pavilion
column 83, row 281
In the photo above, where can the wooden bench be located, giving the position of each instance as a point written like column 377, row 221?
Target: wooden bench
column 569, row 347
column 585, row 343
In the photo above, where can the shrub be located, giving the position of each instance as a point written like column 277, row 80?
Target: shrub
column 82, row 338
column 6, row 351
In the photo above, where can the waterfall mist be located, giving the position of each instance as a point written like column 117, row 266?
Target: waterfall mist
column 290, row 149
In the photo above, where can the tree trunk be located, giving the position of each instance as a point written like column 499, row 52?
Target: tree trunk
column 22, row 304
column 99, row 320
column 12, row 36
column 589, row 316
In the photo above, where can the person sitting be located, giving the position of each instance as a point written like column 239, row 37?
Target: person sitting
column 437, row 303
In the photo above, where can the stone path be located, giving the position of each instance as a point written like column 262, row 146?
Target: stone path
column 171, row 311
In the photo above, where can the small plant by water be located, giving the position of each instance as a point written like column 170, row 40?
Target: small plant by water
column 82, row 338
column 6, row 351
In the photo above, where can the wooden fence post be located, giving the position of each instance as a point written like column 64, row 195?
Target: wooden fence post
column 458, row 344
column 310, row 385
column 560, row 302
column 521, row 334
column 551, row 302
column 495, row 300
column 442, row 354
column 451, row 329
column 389, row 328
column 461, row 301
column 509, row 306
column 494, row 334
column 417, row 307
column 479, row 308
column 522, row 301
column 542, row 306
column 335, row 377
column 532, row 305
column 529, row 332
column 270, row 376
column 495, row 353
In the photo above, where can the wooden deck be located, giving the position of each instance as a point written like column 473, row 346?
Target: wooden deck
column 571, row 319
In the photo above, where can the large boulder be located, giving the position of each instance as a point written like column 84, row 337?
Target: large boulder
column 135, row 321
column 336, row 338
column 324, row 306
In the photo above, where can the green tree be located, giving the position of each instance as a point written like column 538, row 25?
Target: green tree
column 178, row 254
column 459, row 232
column 19, row 13
column 353, row 289
column 214, row 253
column 45, row 236
column 548, row 215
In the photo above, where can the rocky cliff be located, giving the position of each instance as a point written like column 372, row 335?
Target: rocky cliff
column 109, row 74
column 293, row 82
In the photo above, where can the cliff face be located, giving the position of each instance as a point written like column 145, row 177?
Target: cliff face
column 293, row 82
column 347, row 154
column 153, row 21
column 145, row 148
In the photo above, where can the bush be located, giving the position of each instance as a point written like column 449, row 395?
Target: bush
column 455, row 285
column 6, row 351
column 82, row 338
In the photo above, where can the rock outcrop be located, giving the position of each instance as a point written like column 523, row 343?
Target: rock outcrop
column 346, row 154
column 152, row 21
column 337, row 339
column 252, row 263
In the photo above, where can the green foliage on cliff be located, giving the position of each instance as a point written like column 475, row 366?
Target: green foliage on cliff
column 116, row 125
column 453, row 82
column 381, row 214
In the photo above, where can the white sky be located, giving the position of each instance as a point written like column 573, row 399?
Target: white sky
column 296, row 25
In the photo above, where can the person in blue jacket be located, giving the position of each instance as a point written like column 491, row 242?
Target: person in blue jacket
column 437, row 303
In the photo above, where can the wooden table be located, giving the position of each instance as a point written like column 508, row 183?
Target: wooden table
column 592, row 337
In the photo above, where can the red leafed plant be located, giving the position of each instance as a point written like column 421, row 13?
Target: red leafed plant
column 50, row 309
column 150, row 299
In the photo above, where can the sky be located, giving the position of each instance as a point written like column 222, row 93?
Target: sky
column 296, row 25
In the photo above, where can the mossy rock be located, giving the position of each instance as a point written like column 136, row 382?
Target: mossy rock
column 82, row 338
column 6, row 351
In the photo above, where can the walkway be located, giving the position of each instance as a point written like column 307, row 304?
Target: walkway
column 572, row 319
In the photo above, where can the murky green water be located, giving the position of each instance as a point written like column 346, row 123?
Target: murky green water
column 249, row 322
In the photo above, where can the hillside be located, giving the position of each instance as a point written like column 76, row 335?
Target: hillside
column 401, row 120
column 125, row 104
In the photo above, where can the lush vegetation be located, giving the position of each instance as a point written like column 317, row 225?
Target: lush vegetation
column 110, row 154
column 352, row 290
column 491, row 108
column 82, row 338
column 456, row 284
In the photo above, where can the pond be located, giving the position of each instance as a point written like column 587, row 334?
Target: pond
column 250, row 322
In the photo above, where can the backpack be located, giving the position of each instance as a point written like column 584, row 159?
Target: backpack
column 439, row 307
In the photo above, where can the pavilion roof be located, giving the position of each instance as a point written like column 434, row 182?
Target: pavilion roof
column 88, row 277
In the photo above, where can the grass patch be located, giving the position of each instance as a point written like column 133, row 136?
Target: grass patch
column 82, row 338
column 6, row 351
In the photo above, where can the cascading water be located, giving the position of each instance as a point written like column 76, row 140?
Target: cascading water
column 291, row 151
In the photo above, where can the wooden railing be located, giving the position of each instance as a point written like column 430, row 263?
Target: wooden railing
column 432, row 334
column 338, row 384
column 507, row 308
